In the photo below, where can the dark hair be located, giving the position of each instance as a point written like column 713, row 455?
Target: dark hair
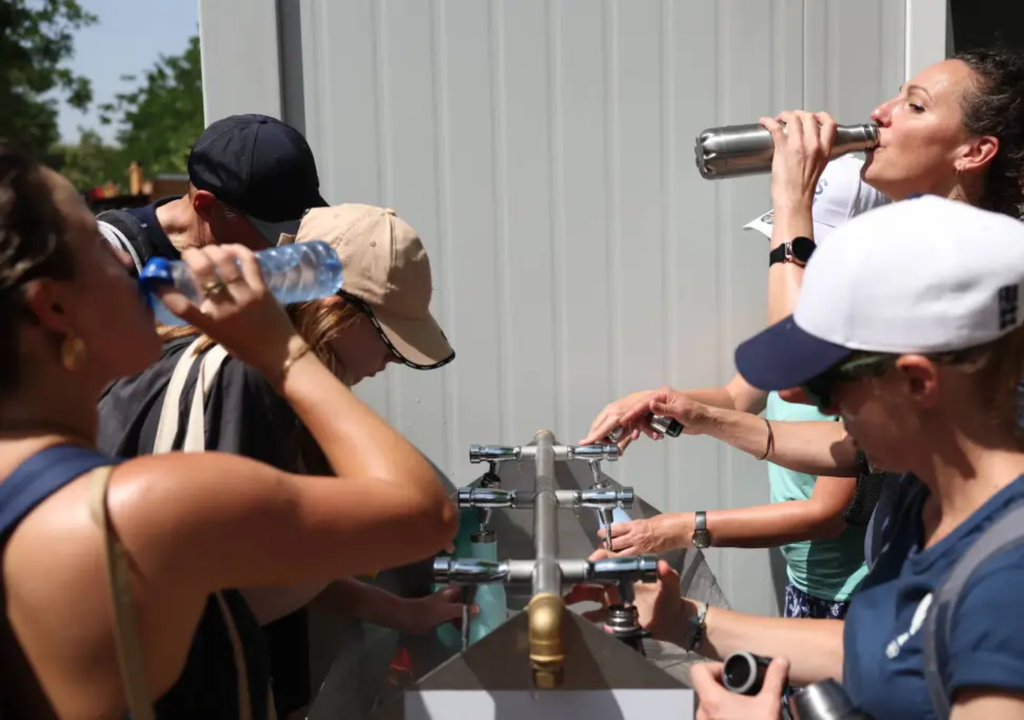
column 995, row 106
column 32, row 245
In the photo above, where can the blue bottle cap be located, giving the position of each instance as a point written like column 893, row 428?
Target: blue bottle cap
column 155, row 273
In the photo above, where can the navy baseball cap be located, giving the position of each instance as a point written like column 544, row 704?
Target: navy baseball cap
column 257, row 165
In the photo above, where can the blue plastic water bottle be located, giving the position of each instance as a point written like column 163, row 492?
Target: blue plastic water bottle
column 620, row 516
column 294, row 273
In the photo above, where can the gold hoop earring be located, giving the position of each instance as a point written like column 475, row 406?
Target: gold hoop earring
column 72, row 353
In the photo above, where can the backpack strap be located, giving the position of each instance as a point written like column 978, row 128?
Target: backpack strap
column 127, row 639
column 1005, row 533
column 126, row 232
column 894, row 493
column 195, row 434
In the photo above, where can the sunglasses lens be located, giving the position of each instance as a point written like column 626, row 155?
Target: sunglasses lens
column 818, row 391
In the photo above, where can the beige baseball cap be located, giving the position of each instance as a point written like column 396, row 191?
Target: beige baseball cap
column 386, row 269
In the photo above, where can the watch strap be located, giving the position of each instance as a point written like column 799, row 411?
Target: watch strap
column 697, row 626
column 700, row 521
column 778, row 255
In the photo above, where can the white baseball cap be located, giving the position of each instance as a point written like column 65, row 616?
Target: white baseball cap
column 925, row 275
column 841, row 194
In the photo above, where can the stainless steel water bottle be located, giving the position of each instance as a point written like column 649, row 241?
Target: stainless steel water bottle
column 824, row 700
column 738, row 150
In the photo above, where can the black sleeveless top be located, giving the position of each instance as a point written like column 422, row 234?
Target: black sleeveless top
column 208, row 685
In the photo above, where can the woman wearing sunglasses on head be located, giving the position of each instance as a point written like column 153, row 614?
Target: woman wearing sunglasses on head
column 118, row 574
column 909, row 327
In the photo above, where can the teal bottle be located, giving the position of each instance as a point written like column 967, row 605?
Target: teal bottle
column 491, row 599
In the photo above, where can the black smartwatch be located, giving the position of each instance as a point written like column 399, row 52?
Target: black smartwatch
column 797, row 251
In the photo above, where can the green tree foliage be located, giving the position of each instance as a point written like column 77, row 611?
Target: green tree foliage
column 91, row 163
column 35, row 43
column 161, row 119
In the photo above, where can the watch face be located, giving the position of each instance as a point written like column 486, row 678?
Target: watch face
column 803, row 248
column 701, row 539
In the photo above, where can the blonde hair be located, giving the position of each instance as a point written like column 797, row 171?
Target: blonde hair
column 998, row 367
column 319, row 322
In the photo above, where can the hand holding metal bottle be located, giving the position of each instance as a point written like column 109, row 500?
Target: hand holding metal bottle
column 740, row 150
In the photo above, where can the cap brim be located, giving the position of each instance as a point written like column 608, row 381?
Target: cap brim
column 786, row 356
column 272, row 231
column 419, row 342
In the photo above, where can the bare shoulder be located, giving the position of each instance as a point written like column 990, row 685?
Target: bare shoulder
column 155, row 503
column 58, row 596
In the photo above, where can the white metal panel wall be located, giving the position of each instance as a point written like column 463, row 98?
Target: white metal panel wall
column 544, row 151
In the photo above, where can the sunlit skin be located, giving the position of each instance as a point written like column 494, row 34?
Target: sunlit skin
column 361, row 351
column 922, row 139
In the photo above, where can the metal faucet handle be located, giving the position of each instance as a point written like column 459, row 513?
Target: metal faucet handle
column 593, row 452
column 642, row 568
column 494, row 453
column 469, row 571
column 605, row 498
column 492, row 498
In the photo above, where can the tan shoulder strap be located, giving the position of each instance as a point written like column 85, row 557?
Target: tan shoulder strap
column 126, row 622
column 167, row 426
column 195, row 433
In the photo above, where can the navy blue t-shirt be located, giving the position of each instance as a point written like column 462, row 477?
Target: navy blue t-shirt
column 154, row 233
column 883, row 640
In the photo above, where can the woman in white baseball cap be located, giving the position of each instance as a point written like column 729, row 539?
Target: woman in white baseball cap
column 956, row 129
column 909, row 327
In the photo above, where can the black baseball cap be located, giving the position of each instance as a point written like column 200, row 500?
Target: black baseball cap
column 257, row 165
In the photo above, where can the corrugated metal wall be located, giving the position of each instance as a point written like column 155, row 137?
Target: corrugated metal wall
column 544, row 151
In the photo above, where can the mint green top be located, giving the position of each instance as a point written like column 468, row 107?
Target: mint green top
column 826, row 569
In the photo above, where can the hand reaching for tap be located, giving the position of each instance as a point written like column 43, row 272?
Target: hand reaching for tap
column 421, row 615
column 667, row 531
column 661, row 609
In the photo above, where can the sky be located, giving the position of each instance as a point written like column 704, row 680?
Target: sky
column 128, row 39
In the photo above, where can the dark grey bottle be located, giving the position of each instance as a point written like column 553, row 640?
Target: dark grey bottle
column 738, row 150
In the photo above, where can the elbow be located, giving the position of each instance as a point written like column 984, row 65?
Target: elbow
column 438, row 519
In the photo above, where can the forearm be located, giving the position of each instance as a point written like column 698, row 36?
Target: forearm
column 737, row 394
column 784, row 279
column 353, row 598
column 718, row 397
column 356, row 441
column 814, row 648
column 812, row 447
column 771, row 525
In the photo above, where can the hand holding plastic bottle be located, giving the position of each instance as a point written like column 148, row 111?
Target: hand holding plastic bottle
column 237, row 311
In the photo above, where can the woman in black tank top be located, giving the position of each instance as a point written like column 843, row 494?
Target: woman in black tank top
column 171, row 534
